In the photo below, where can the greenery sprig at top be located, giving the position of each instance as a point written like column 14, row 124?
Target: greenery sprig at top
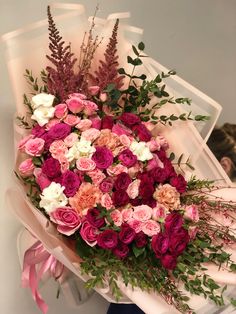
column 95, row 168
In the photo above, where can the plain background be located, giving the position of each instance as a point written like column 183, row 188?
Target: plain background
column 195, row 37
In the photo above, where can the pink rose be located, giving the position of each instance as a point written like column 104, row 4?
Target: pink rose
column 192, row 231
column 84, row 125
column 89, row 233
column 116, row 216
column 120, row 129
column 60, row 111
column 21, row 145
column 71, row 139
column 133, row 171
column 127, row 214
column 71, row 120
column 114, row 170
column 91, row 134
column 96, row 123
column 142, row 212
column 65, row 165
column 85, row 164
column 106, row 201
column 93, row 90
column 162, row 141
column 51, row 123
column 34, row 146
column 133, row 189
column 90, row 107
column 103, row 97
column 67, row 220
column 159, row 213
column 150, row 228
column 135, row 224
column 58, row 149
column 153, row 145
column 125, row 140
column 155, row 162
column 41, row 179
column 191, row 213
column 97, row 176
column 26, row 168
column 75, row 104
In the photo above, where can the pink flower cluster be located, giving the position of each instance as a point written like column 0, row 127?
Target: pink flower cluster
column 109, row 172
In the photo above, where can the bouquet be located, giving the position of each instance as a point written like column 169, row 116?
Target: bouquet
column 97, row 164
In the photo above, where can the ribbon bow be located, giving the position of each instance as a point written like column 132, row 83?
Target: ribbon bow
column 37, row 261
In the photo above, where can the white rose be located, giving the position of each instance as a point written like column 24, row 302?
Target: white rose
column 82, row 148
column 141, row 150
column 43, row 114
column 53, row 197
column 43, row 99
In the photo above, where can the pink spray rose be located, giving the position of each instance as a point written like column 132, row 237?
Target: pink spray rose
column 84, row 124
column 75, row 104
column 21, row 145
column 34, row 147
column 97, row 176
column 142, row 212
column 90, row 135
column 106, row 201
column 114, row 170
column 93, row 90
column 96, row 123
column 150, row 227
column 116, row 216
column 26, row 168
column 191, row 213
column 89, row 233
column 60, row 111
column 71, row 120
column 106, row 185
column 67, row 220
column 71, row 139
column 127, row 214
column 58, row 149
column 135, row 224
column 90, row 107
column 133, row 189
column 85, row 164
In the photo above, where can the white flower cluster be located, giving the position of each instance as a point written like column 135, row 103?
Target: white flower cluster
column 53, row 197
column 141, row 150
column 43, row 108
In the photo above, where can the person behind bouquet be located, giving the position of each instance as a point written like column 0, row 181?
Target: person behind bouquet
column 223, row 146
column 230, row 129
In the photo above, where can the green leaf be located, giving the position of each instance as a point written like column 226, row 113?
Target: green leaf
column 180, row 159
column 121, row 71
column 87, row 178
column 82, row 248
column 172, row 156
column 135, row 50
column 141, row 46
column 233, row 267
column 233, row 302
column 138, row 251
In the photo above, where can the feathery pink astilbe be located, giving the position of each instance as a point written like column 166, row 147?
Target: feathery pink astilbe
column 107, row 72
column 61, row 79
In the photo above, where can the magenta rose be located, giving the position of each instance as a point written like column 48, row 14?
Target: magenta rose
column 106, row 185
column 93, row 217
column 168, row 261
column 96, row 123
column 51, row 168
column 67, row 220
column 103, row 157
column 127, row 158
column 179, row 183
column 71, row 181
column 122, row 181
column 178, row 241
column 173, row 222
column 38, row 131
column 120, row 198
column 48, row 141
column 142, row 132
column 130, row 119
column 108, row 239
column 127, row 234
column 107, row 122
column 140, row 239
column 89, row 233
column 59, row 131
column 121, row 250
column 160, row 244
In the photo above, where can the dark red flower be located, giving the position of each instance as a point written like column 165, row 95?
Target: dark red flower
column 127, row 234
column 108, row 239
column 159, row 174
column 160, row 244
column 168, row 261
column 121, row 250
column 93, row 217
column 71, row 181
column 130, row 119
column 122, row 181
column 173, row 222
column 179, row 183
column 120, row 198
column 142, row 132
column 107, row 122
column 106, row 185
column 178, row 241
column 140, row 239
column 51, row 168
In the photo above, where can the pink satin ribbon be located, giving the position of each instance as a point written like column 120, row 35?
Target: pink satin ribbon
column 37, row 261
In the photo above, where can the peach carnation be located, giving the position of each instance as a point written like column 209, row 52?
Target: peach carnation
column 168, row 196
